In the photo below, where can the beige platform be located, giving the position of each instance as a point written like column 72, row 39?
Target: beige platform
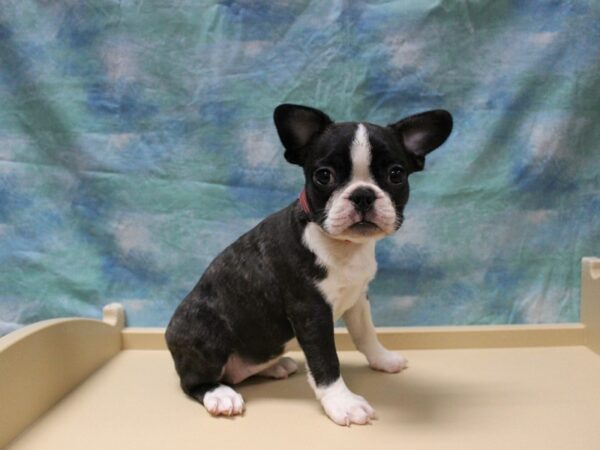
column 512, row 387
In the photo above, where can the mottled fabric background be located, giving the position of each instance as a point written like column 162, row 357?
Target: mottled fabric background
column 136, row 142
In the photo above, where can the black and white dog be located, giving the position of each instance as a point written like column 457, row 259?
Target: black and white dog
column 305, row 266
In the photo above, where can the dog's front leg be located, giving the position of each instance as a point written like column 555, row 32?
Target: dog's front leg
column 313, row 326
column 360, row 325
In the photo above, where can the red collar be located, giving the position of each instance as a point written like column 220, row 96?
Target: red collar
column 304, row 202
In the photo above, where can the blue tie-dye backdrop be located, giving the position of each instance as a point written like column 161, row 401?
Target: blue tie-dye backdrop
column 136, row 142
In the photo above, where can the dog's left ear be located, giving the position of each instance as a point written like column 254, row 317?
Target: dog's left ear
column 423, row 133
column 297, row 125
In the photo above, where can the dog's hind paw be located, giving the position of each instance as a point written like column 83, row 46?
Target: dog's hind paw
column 223, row 401
column 387, row 361
column 281, row 369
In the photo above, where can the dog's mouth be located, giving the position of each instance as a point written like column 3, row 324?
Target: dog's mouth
column 365, row 227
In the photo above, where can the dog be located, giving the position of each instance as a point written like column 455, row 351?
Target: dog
column 302, row 268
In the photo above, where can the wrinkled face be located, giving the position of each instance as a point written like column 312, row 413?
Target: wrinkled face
column 356, row 181
column 356, row 173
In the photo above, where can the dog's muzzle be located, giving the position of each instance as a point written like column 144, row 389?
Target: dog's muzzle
column 363, row 199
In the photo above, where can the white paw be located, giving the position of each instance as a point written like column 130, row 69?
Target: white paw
column 346, row 408
column 387, row 361
column 281, row 369
column 223, row 401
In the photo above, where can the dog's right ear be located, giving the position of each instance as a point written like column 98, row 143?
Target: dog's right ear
column 297, row 125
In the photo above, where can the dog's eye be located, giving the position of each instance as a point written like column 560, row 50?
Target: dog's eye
column 396, row 175
column 324, row 177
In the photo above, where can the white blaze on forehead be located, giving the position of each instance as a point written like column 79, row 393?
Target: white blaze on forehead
column 360, row 153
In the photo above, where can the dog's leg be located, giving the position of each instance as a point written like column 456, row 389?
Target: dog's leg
column 360, row 325
column 314, row 330
column 200, row 380
column 200, row 354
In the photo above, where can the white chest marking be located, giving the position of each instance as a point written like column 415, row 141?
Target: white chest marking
column 350, row 267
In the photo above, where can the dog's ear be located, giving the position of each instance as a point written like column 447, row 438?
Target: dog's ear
column 297, row 125
column 423, row 133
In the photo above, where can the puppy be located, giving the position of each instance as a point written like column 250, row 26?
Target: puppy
column 305, row 266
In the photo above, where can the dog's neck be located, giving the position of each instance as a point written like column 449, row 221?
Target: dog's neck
column 338, row 251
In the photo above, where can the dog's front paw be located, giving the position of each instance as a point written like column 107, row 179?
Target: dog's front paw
column 346, row 408
column 223, row 401
column 387, row 361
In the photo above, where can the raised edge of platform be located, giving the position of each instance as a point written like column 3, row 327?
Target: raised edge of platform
column 398, row 338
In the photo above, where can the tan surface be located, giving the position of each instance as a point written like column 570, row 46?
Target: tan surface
column 546, row 398
column 464, row 399
column 40, row 363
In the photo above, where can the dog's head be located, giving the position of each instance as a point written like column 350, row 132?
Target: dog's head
column 357, row 173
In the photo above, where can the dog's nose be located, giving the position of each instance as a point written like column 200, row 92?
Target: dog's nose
column 363, row 198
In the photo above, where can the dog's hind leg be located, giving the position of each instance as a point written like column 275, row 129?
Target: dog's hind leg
column 200, row 353
column 202, row 383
